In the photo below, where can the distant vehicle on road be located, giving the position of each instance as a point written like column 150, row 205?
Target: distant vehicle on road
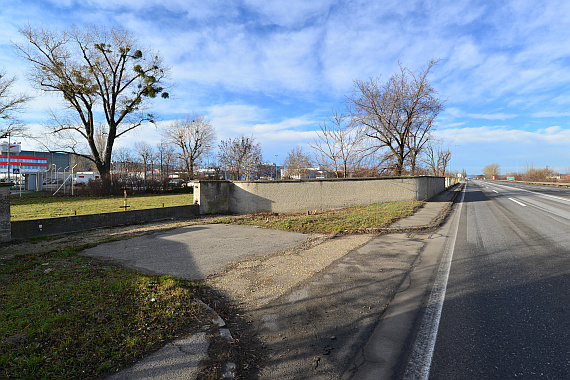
column 84, row 178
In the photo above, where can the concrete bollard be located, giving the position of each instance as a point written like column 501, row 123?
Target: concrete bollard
column 5, row 227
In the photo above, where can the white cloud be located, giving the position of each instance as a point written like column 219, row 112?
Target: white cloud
column 550, row 114
column 289, row 125
column 194, row 9
column 292, row 13
column 500, row 61
column 552, row 135
column 232, row 119
column 493, row 116
column 555, row 130
column 466, row 54
column 458, row 113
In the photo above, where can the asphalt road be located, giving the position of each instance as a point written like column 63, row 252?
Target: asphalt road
column 503, row 306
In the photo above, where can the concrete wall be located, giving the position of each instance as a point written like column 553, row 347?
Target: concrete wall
column 213, row 196
column 239, row 198
column 5, row 234
column 242, row 197
column 54, row 226
column 450, row 181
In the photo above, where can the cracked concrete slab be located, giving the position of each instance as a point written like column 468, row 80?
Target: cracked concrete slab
column 195, row 252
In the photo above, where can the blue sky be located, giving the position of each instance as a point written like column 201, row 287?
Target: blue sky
column 276, row 69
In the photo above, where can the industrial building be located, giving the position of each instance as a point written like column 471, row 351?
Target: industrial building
column 31, row 167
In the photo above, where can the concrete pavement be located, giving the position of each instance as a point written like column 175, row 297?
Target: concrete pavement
column 382, row 353
column 195, row 252
column 321, row 325
column 181, row 358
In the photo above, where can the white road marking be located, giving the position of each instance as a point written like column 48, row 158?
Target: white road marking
column 496, row 191
column 422, row 353
column 566, row 200
column 517, row 202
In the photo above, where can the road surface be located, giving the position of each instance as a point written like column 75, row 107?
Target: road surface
column 499, row 308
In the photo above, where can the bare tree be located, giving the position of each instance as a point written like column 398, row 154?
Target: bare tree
column 165, row 154
column 492, row 171
column 538, row 174
column 123, row 161
column 240, row 156
column 340, row 145
column 436, row 157
column 104, row 78
column 376, row 163
column 397, row 114
column 296, row 163
column 419, row 136
column 146, row 153
column 194, row 137
column 81, row 164
column 10, row 104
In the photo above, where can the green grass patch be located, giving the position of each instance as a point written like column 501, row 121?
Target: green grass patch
column 348, row 220
column 27, row 208
column 63, row 316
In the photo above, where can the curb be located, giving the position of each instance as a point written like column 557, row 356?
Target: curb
column 229, row 369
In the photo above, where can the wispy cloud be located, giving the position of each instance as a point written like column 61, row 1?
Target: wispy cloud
column 458, row 113
column 239, row 62
column 554, row 135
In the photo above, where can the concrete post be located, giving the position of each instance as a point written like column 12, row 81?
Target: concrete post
column 213, row 197
column 5, row 227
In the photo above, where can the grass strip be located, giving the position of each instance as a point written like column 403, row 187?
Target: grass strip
column 346, row 220
column 63, row 316
column 27, row 208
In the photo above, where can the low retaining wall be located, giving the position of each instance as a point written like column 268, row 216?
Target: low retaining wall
column 242, row 197
column 223, row 197
column 5, row 234
column 54, row 226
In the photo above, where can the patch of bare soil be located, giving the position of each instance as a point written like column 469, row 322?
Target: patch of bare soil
column 249, row 285
column 254, row 282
